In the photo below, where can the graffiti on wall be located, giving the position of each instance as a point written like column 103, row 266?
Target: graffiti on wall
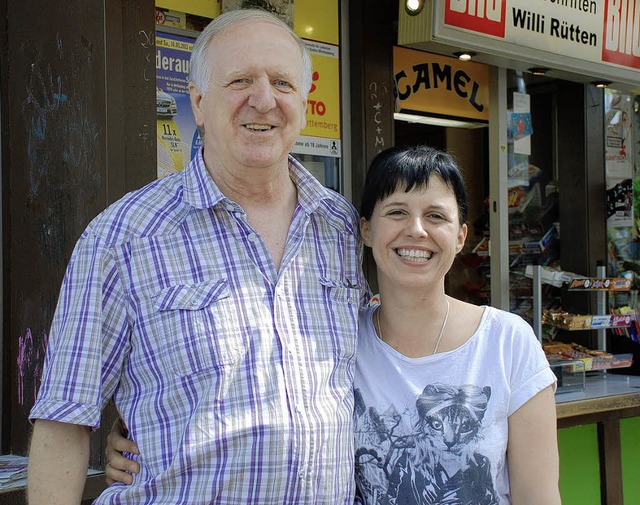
column 30, row 362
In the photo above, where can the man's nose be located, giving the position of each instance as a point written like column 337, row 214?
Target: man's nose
column 262, row 95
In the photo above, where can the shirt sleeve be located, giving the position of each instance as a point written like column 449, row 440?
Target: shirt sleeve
column 530, row 371
column 89, row 338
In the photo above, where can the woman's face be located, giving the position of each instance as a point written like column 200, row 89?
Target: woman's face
column 415, row 236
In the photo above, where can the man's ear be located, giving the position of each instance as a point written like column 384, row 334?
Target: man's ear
column 303, row 119
column 365, row 232
column 196, row 97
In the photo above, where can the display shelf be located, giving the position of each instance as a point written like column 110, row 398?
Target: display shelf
column 573, row 322
column 598, row 284
column 600, row 322
column 571, row 361
column 586, row 362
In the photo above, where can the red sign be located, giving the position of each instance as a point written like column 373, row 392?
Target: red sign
column 483, row 16
column 622, row 33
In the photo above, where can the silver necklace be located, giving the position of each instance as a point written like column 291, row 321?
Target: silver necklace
column 444, row 323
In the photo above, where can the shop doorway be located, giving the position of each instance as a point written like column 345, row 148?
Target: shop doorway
column 468, row 279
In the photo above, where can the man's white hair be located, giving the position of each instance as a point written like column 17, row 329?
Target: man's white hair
column 200, row 71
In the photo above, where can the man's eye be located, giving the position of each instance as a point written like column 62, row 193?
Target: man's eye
column 282, row 84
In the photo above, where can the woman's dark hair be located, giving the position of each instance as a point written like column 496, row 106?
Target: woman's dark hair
column 408, row 168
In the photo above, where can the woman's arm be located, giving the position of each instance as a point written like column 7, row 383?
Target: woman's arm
column 532, row 452
column 119, row 468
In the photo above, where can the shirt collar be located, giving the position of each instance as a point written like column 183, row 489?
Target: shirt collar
column 202, row 192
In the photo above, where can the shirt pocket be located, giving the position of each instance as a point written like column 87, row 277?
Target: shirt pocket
column 200, row 330
column 342, row 304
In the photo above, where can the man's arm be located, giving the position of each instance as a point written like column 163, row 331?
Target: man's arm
column 58, row 462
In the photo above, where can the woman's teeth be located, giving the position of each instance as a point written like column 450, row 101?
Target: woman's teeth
column 414, row 255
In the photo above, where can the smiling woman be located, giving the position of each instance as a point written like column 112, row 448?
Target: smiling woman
column 454, row 402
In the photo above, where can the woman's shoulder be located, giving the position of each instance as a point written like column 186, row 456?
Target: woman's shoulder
column 466, row 315
column 510, row 326
column 506, row 318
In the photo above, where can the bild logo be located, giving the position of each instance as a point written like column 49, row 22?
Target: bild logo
column 622, row 33
column 484, row 16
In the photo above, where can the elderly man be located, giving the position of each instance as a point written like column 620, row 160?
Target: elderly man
column 218, row 306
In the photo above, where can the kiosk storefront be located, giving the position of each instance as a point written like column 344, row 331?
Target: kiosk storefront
column 562, row 170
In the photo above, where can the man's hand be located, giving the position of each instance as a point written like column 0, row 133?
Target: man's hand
column 119, row 468
column 58, row 462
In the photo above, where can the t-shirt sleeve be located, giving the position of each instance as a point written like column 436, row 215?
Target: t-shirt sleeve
column 530, row 371
column 88, row 339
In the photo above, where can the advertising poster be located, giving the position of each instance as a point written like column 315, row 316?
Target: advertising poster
column 281, row 8
column 321, row 136
column 619, row 158
column 178, row 137
column 205, row 8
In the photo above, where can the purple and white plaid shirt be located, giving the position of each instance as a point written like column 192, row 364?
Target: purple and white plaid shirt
column 234, row 379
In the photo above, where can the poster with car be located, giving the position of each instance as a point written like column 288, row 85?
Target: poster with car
column 178, row 137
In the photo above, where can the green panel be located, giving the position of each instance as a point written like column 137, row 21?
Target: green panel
column 630, row 442
column 579, row 465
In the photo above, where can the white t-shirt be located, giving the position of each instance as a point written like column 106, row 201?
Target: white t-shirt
column 433, row 430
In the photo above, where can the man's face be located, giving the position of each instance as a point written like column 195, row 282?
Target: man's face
column 254, row 108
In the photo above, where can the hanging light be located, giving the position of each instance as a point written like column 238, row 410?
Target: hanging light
column 601, row 84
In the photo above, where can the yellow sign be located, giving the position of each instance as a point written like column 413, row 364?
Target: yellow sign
column 205, row 8
column 437, row 84
column 171, row 156
column 323, row 105
column 317, row 20
column 167, row 17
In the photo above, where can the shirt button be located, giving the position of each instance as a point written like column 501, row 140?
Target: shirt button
column 301, row 474
column 350, row 301
column 194, row 302
column 252, row 237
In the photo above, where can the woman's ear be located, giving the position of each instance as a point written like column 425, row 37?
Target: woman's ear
column 462, row 237
column 365, row 232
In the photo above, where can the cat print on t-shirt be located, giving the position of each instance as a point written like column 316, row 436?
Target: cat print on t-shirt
column 430, row 460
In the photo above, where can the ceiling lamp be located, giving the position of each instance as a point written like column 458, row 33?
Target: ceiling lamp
column 413, row 7
column 538, row 70
column 464, row 55
column 439, row 121
column 601, row 84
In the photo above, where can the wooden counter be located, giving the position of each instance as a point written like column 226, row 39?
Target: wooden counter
column 605, row 400
column 605, row 397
